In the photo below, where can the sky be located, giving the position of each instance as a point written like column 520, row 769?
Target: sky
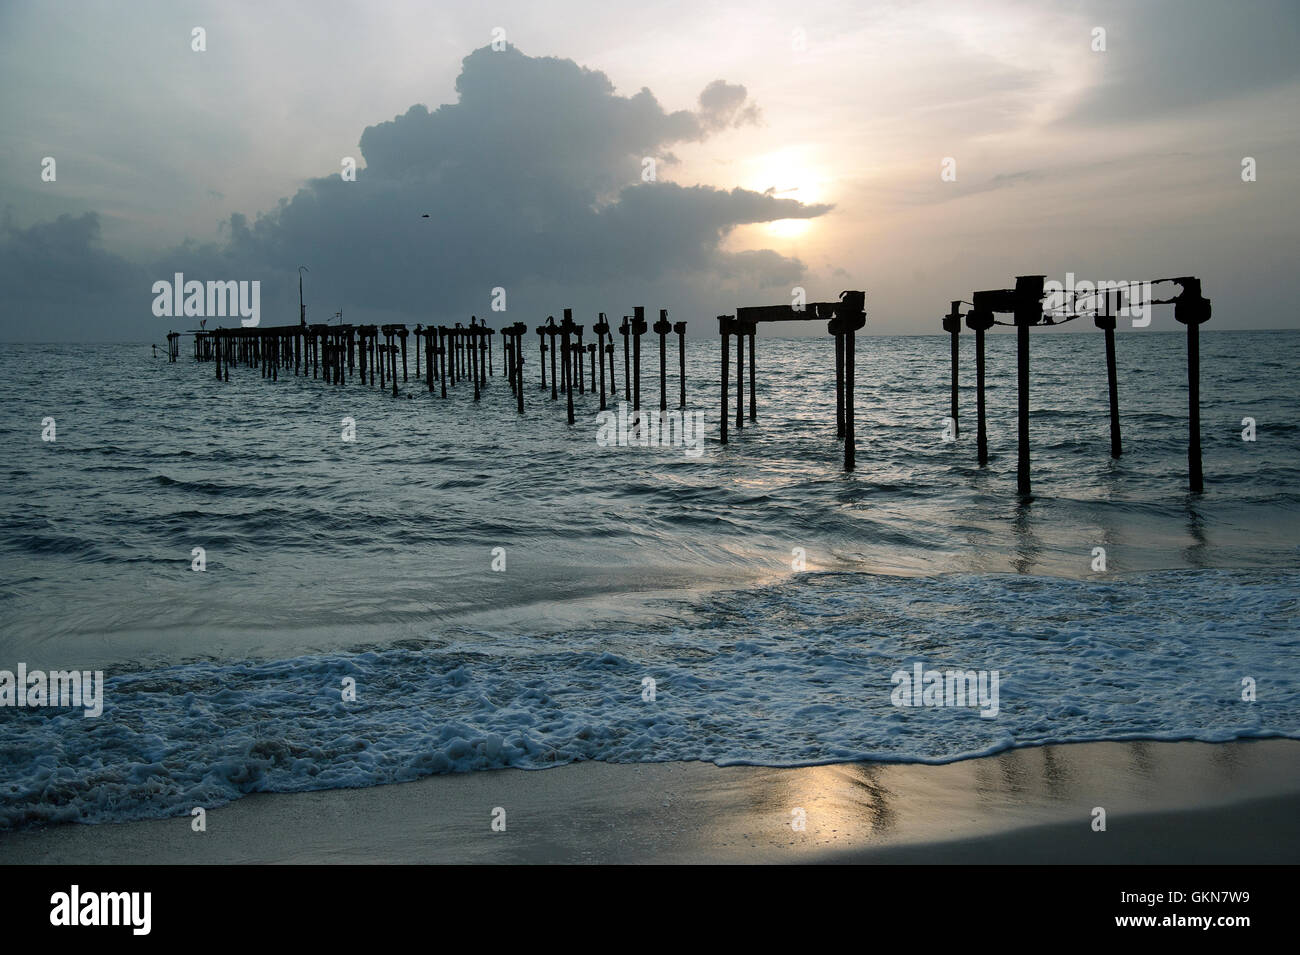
column 682, row 155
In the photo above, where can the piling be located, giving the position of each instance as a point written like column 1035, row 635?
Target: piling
column 662, row 328
column 740, row 377
column 430, row 357
column 1105, row 320
column 601, row 328
column 638, row 329
column 680, row 329
column 609, row 351
column 518, row 330
column 443, row 332
column 979, row 320
column 1028, row 311
column 839, row 386
column 626, row 331
column 724, row 333
column 850, row 440
column 577, row 361
column 541, row 347
column 566, row 329
column 1192, row 310
column 1022, row 409
column 551, row 332
column 753, row 389
column 849, row 316
column 475, row 356
column 507, row 355
column 952, row 325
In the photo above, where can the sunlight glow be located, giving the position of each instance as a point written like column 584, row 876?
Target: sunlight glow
column 790, row 173
column 789, row 228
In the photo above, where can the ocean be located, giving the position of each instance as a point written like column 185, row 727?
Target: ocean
column 498, row 590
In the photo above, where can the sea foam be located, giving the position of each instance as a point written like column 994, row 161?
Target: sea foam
column 794, row 674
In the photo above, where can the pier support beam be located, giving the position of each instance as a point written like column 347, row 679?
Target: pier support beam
column 839, row 386
column 443, row 335
column 1022, row 410
column 979, row 321
column 1028, row 311
column 740, row 376
column 639, row 328
column 541, row 351
column 601, row 328
column 753, row 385
column 520, row 330
column 1192, row 310
column 1106, row 322
column 850, row 315
column 662, row 328
column 724, row 333
column 680, row 329
column 475, row 355
column 551, row 332
column 566, row 329
column 578, row 350
column 609, row 352
column 952, row 325
column 626, row 331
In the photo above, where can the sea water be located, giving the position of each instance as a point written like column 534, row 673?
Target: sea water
column 461, row 588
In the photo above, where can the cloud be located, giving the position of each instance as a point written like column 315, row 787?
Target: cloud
column 723, row 104
column 1011, row 178
column 57, row 264
column 1169, row 55
column 532, row 180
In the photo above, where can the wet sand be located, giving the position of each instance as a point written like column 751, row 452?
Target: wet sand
column 1165, row 803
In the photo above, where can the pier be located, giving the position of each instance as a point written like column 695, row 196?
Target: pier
column 571, row 367
column 453, row 355
column 843, row 319
column 568, row 366
column 1025, row 303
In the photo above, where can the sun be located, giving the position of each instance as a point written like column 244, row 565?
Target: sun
column 790, row 173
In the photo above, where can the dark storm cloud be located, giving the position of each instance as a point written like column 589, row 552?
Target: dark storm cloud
column 533, row 179
column 60, row 263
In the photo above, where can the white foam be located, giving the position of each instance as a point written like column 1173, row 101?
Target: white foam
column 795, row 674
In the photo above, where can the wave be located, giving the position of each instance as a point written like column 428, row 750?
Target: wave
column 798, row 673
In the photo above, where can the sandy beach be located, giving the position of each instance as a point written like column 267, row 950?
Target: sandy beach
column 1167, row 803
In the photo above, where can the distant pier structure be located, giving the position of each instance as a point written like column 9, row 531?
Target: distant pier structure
column 459, row 353
column 1025, row 304
column 453, row 355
